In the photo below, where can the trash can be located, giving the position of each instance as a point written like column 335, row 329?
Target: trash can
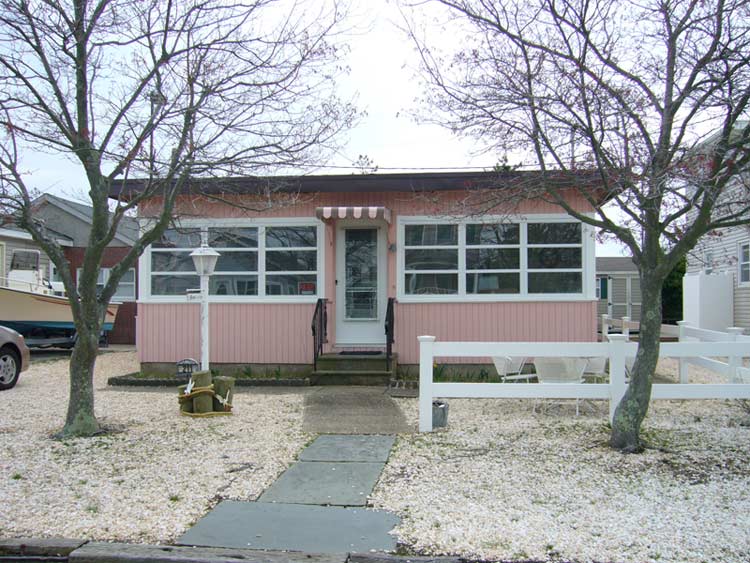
column 439, row 414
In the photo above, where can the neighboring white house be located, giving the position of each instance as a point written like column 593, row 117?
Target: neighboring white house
column 717, row 279
column 618, row 288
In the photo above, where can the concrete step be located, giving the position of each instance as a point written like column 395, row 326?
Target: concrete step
column 350, row 377
column 354, row 362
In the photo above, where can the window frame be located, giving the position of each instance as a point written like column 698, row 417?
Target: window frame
column 587, row 269
column 104, row 273
column 144, row 263
column 740, row 248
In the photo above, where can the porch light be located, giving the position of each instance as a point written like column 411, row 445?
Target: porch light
column 204, row 259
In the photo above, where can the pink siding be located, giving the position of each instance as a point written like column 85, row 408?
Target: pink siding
column 400, row 203
column 240, row 332
column 280, row 333
column 498, row 322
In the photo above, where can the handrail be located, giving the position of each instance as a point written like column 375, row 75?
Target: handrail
column 319, row 329
column 389, row 327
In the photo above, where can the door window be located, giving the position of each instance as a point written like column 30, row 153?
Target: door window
column 361, row 264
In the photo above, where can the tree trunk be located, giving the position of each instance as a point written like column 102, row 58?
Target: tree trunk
column 80, row 420
column 630, row 412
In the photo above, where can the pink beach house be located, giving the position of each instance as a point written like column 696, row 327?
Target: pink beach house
column 370, row 262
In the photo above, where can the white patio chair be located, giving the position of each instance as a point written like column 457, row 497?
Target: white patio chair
column 560, row 370
column 510, row 368
column 596, row 369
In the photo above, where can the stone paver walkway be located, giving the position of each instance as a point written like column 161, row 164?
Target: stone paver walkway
column 315, row 506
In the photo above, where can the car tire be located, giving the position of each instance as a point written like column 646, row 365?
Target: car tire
column 10, row 368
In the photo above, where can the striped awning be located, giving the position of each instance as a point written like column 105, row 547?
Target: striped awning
column 330, row 213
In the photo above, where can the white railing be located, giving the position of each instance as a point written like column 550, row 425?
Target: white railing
column 625, row 325
column 685, row 332
column 616, row 350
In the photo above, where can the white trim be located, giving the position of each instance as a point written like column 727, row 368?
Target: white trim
column 361, row 332
column 587, row 269
column 144, row 262
column 740, row 246
column 22, row 235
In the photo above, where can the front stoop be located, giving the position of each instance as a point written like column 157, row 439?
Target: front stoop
column 353, row 369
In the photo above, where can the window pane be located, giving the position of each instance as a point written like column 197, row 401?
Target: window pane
column 554, row 233
column 493, row 283
column 124, row 291
column 431, row 259
column 493, row 234
column 431, row 235
column 128, row 277
column 237, row 262
column 492, row 259
column 179, row 238
column 291, row 261
column 745, row 253
column 554, row 258
column 173, row 285
column 555, row 282
column 745, row 273
column 233, row 285
column 285, row 237
column 171, row 262
column 301, row 284
column 234, row 237
column 431, row 284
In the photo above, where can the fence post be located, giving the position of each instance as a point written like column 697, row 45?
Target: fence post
column 617, row 384
column 605, row 327
column 426, row 358
column 684, row 373
column 626, row 328
column 734, row 361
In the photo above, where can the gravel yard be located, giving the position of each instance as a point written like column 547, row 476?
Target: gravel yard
column 500, row 483
column 146, row 483
column 504, row 483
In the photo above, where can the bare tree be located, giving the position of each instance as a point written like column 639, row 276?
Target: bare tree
column 163, row 90
column 627, row 88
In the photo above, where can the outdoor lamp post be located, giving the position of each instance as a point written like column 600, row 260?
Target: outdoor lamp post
column 204, row 259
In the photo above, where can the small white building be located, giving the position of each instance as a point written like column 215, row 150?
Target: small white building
column 618, row 288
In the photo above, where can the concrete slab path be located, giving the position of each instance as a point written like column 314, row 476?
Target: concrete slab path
column 315, row 505
column 325, row 483
column 315, row 529
column 352, row 410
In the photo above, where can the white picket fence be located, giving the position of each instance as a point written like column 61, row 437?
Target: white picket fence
column 616, row 350
column 688, row 333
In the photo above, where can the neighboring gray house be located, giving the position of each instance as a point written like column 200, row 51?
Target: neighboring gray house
column 618, row 288
column 74, row 219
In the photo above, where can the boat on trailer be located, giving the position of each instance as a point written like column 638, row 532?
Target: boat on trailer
column 37, row 308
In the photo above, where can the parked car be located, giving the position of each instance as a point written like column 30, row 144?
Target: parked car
column 14, row 357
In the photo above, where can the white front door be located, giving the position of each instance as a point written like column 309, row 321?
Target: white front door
column 361, row 295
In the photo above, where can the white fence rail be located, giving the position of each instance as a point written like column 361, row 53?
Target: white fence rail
column 685, row 332
column 616, row 350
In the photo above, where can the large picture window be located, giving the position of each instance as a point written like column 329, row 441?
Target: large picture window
column 255, row 261
column 472, row 259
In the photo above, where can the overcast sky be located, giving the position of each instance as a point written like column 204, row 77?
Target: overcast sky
column 383, row 79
